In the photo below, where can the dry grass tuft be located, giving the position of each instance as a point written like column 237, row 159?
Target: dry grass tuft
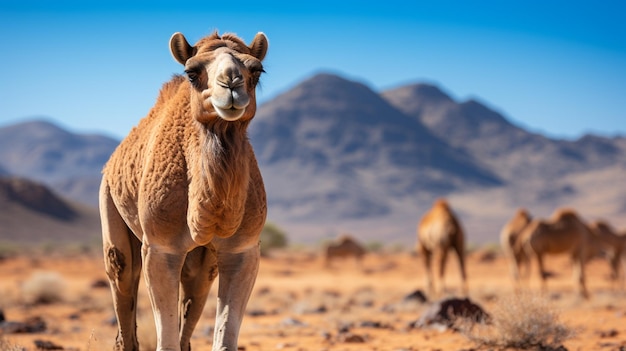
column 521, row 321
column 44, row 288
column 6, row 345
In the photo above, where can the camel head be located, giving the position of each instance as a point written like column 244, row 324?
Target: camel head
column 523, row 214
column 441, row 203
column 223, row 73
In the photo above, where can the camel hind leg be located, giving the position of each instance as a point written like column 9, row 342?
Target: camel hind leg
column 443, row 259
column 579, row 274
column 543, row 275
column 427, row 259
column 122, row 260
column 460, row 254
column 198, row 274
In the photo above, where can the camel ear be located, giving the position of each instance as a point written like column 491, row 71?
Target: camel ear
column 259, row 46
column 180, row 48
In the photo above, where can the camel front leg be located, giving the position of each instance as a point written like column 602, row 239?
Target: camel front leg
column 198, row 274
column 237, row 275
column 542, row 273
column 579, row 273
column 443, row 259
column 427, row 257
column 162, row 274
column 461, row 258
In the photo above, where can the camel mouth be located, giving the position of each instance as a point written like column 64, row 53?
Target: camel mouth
column 229, row 114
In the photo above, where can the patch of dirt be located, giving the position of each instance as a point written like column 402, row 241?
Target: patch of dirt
column 348, row 306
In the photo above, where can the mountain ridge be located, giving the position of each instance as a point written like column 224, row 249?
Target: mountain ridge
column 338, row 156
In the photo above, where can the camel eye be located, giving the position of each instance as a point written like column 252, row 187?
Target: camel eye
column 255, row 71
column 192, row 75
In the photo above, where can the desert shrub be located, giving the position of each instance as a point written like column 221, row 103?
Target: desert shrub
column 8, row 250
column 43, row 288
column 374, row 246
column 272, row 237
column 520, row 321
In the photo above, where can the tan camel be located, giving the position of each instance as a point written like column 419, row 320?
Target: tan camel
column 509, row 240
column 563, row 233
column 438, row 232
column 182, row 195
column 344, row 247
column 610, row 245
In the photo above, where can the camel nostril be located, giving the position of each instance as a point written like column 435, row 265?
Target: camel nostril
column 237, row 81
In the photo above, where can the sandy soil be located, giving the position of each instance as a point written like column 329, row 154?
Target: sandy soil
column 299, row 304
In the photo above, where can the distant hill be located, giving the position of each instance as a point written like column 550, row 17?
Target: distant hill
column 67, row 162
column 334, row 149
column 540, row 173
column 337, row 156
column 32, row 213
column 510, row 151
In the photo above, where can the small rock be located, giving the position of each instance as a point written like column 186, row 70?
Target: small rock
column 100, row 283
column 607, row 333
column 31, row 325
column 350, row 338
column 372, row 324
column 292, row 322
column 417, row 295
column 47, row 345
column 445, row 313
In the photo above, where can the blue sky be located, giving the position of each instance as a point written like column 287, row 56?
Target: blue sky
column 557, row 67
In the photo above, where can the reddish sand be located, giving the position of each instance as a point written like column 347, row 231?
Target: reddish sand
column 299, row 304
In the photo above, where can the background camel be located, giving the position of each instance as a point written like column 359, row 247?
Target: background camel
column 610, row 245
column 563, row 233
column 438, row 232
column 509, row 241
column 344, row 246
column 183, row 195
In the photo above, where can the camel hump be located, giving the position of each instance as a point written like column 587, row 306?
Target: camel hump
column 522, row 213
column 565, row 214
column 345, row 238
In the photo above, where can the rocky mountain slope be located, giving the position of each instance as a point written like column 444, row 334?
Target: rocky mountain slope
column 69, row 163
column 337, row 156
column 32, row 213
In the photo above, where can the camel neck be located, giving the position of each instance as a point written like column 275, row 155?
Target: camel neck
column 225, row 149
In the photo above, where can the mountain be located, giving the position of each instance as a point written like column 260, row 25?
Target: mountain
column 32, row 213
column 337, row 156
column 69, row 163
column 334, row 149
column 510, row 151
column 540, row 173
column 335, row 152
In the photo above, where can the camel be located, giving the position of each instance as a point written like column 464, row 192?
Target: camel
column 563, row 233
column 609, row 244
column 182, row 196
column 344, row 246
column 439, row 231
column 509, row 241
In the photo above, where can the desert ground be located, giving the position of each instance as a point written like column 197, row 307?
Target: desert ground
column 301, row 304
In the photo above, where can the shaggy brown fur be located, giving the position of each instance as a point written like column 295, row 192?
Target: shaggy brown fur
column 183, row 196
column 438, row 232
column 564, row 233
